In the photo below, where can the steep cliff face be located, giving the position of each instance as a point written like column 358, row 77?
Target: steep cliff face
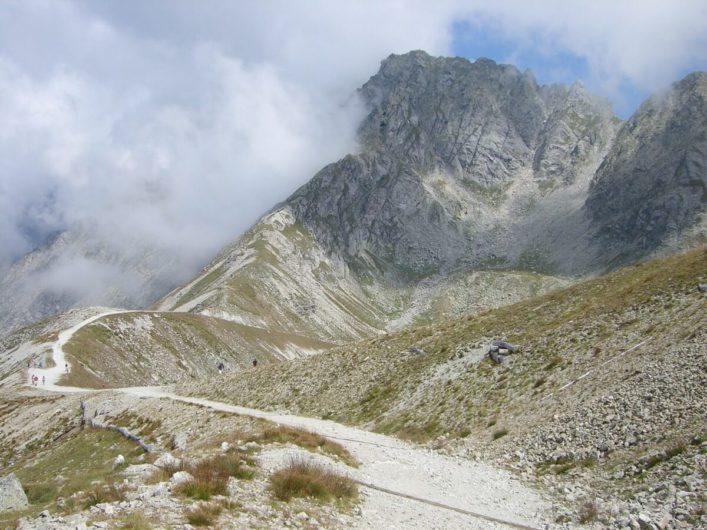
column 651, row 189
column 455, row 156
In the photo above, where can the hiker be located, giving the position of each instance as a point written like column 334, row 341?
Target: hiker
column 220, row 368
column 66, row 367
column 43, row 380
column 255, row 363
column 499, row 350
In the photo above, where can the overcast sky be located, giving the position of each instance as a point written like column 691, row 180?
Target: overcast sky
column 180, row 122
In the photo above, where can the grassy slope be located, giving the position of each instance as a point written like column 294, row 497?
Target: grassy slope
column 148, row 348
column 562, row 334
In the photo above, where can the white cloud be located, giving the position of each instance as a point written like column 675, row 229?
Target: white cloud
column 639, row 44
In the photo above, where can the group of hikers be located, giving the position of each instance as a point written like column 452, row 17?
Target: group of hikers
column 221, row 366
column 34, row 378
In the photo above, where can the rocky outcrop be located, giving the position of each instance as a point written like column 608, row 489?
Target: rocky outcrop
column 652, row 187
column 463, row 167
column 12, row 496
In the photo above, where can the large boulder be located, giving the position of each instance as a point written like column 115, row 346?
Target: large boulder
column 12, row 496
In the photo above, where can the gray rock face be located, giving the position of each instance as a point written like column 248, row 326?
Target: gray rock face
column 452, row 150
column 652, row 187
column 12, row 496
column 463, row 167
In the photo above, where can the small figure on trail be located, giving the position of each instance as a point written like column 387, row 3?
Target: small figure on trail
column 255, row 363
column 34, row 380
column 43, row 380
column 220, row 368
column 499, row 350
column 66, row 367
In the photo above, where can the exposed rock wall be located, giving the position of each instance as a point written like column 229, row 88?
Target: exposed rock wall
column 652, row 186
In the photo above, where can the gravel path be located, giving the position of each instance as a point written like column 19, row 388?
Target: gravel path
column 386, row 464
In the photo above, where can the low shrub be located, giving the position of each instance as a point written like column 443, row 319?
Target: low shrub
column 588, row 512
column 305, row 439
column 302, row 478
column 500, row 433
column 41, row 493
column 203, row 514
column 101, row 493
column 135, row 521
column 211, row 476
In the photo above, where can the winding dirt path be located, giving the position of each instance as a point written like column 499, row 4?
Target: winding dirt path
column 409, row 487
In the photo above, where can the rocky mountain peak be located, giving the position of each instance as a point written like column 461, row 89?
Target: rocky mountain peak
column 449, row 112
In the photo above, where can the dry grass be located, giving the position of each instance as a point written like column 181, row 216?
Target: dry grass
column 306, row 479
column 211, row 476
column 135, row 521
column 305, row 439
column 203, row 514
column 101, row 493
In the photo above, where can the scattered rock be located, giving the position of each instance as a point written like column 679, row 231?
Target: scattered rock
column 119, row 461
column 179, row 441
column 12, row 496
column 232, row 487
column 140, row 470
column 167, row 460
column 249, row 446
column 179, row 477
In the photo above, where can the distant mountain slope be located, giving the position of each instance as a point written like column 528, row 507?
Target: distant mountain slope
column 465, row 170
column 651, row 190
column 79, row 268
column 455, row 158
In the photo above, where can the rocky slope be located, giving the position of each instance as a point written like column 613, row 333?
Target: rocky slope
column 90, row 478
column 455, row 158
column 466, row 170
column 605, row 401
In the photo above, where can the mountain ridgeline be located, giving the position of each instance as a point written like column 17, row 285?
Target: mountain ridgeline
column 473, row 187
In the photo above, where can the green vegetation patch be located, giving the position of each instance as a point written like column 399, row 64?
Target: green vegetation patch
column 78, row 469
